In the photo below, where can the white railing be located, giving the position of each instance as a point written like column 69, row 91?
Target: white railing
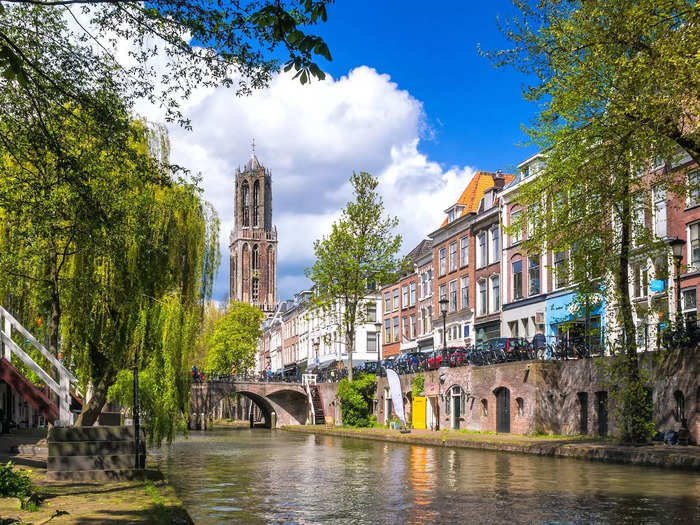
column 307, row 380
column 65, row 378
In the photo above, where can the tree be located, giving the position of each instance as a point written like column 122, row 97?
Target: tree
column 358, row 256
column 618, row 83
column 234, row 340
column 202, row 43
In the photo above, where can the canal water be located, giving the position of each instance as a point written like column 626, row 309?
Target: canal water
column 263, row 476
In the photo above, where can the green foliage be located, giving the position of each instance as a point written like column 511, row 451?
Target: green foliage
column 618, row 89
column 233, row 341
column 206, row 43
column 356, row 398
column 418, row 385
column 632, row 404
column 355, row 259
column 14, row 482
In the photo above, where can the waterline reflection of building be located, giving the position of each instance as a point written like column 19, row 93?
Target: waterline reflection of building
column 423, row 483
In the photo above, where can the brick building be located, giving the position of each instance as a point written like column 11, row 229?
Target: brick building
column 425, row 271
column 253, row 242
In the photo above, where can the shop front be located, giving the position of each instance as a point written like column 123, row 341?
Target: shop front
column 570, row 319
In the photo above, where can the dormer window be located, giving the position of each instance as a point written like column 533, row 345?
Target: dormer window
column 454, row 212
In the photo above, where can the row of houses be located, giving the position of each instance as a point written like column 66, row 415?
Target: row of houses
column 492, row 287
column 495, row 289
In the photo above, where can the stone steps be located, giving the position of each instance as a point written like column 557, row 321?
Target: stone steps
column 94, row 453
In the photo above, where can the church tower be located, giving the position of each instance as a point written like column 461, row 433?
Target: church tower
column 253, row 242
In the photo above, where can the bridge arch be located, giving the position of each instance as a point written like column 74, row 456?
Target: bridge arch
column 287, row 401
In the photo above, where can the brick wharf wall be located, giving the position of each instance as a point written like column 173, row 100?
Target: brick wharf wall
column 551, row 393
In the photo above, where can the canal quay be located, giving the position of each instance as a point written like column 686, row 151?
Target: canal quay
column 242, row 475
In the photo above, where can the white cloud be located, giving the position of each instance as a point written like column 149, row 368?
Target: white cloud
column 312, row 138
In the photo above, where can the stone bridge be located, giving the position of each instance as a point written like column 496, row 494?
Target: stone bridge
column 287, row 401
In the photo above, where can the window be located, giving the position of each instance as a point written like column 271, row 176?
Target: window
column 453, row 296
column 482, row 297
column 387, row 301
column 690, row 306
column 484, row 408
column 517, row 234
column 495, row 293
column 451, row 215
column 371, row 342
column 406, row 328
column 464, row 251
column 443, row 268
column 387, row 331
column 638, row 215
column 413, row 326
column 560, row 269
column 495, row 245
column 371, row 312
column 430, row 282
column 482, row 250
column 694, row 188
column 413, row 294
column 639, row 280
column 396, row 328
column 659, row 195
column 465, row 291
column 443, row 291
column 423, row 285
column 453, row 256
column 521, row 405
column 517, row 280
column 404, row 301
column 256, row 191
column 396, row 299
column 533, row 275
column 694, row 230
column 245, row 198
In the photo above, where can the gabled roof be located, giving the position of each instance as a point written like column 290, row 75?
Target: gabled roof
column 425, row 246
column 474, row 192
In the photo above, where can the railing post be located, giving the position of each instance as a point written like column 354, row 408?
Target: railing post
column 64, row 401
column 7, row 352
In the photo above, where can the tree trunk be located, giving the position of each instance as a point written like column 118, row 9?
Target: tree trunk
column 349, row 343
column 93, row 407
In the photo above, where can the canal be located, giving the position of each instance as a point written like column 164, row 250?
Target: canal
column 262, row 476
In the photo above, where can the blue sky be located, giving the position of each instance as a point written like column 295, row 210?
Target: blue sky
column 475, row 110
column 408, row 98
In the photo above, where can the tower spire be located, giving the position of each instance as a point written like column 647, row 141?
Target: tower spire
column 252, row 148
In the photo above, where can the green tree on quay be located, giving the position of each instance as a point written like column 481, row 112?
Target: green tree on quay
column 233, row 341
column 355, row 259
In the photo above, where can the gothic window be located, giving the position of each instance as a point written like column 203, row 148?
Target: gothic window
column 256, row 290
column 254, row 261
column 245, row 202
column 256, row 192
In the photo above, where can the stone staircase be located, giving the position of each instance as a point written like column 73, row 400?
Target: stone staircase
column 319, row 417
column 94, row 453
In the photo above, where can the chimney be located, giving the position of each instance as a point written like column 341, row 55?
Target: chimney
column 499, row 180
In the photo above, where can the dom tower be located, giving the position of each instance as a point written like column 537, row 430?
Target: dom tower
column 253, row 243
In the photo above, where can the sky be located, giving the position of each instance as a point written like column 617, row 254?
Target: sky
column 408, row 98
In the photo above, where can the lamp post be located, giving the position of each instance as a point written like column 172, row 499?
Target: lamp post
column 443, row 311
column 677, row 246
column 378, row 326
column 316, row 345
column 137, row 425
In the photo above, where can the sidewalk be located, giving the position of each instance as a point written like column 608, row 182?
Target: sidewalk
column 71, row 502
column 578, row 447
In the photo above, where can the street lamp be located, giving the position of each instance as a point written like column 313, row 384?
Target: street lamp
column 443, row 311
column 677, row 246
column 378, row 371
column 316, row 345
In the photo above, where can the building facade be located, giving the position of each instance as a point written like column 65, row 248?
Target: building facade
column 253, row 242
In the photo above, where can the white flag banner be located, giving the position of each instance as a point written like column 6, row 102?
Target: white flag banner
column 396, row 396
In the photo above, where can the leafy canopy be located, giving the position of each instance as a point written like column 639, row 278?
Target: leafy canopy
column 233, row 342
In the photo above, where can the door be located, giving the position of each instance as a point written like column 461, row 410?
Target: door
column 456, row 408
column 583, row 412
column 503, row 410
column 418, row 414
column 602, row 403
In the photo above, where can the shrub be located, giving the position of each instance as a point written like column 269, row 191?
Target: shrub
column 418, row 385
column 356, row 400
column 14, row 482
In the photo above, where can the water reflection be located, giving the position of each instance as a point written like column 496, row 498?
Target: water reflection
column 261, row 476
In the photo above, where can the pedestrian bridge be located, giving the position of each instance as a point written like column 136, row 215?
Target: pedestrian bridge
column 288, row 402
